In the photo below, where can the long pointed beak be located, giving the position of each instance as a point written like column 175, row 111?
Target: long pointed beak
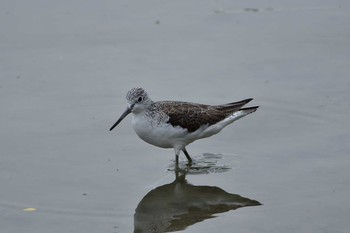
column 125, row 113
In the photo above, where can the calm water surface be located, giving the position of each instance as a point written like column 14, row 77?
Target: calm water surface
column 65, row 70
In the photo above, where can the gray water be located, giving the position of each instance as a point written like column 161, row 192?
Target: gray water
column 65, row 68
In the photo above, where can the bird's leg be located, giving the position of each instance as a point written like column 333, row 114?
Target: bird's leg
column 177, row 152
column 187, row 156
column 176, row 161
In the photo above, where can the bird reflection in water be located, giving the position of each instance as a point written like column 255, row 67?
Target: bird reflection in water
column 178, row 205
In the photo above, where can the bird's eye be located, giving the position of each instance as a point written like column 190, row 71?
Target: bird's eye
column 140, row 99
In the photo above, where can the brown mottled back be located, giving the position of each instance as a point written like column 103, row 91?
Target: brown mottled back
column 192, row 116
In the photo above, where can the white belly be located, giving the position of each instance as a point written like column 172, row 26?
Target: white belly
column 166, row 136
column 159, row 134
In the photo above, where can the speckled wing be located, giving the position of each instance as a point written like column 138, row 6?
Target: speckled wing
column 191, row 116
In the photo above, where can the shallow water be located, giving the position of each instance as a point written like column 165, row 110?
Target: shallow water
column 66, row 67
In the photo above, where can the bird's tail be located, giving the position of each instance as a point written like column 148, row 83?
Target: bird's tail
column 240, row 113
column 235, row 106
column 249, row 109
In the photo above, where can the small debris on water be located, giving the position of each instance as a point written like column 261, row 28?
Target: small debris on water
column 29, row 209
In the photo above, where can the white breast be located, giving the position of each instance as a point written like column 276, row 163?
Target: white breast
column 158, row 134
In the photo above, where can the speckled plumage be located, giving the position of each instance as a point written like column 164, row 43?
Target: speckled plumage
column 191, row 116
column 176, row 124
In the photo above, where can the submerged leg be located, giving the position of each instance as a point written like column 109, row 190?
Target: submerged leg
column 187, row 156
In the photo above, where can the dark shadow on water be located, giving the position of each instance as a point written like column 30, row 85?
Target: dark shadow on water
column 178, row 205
